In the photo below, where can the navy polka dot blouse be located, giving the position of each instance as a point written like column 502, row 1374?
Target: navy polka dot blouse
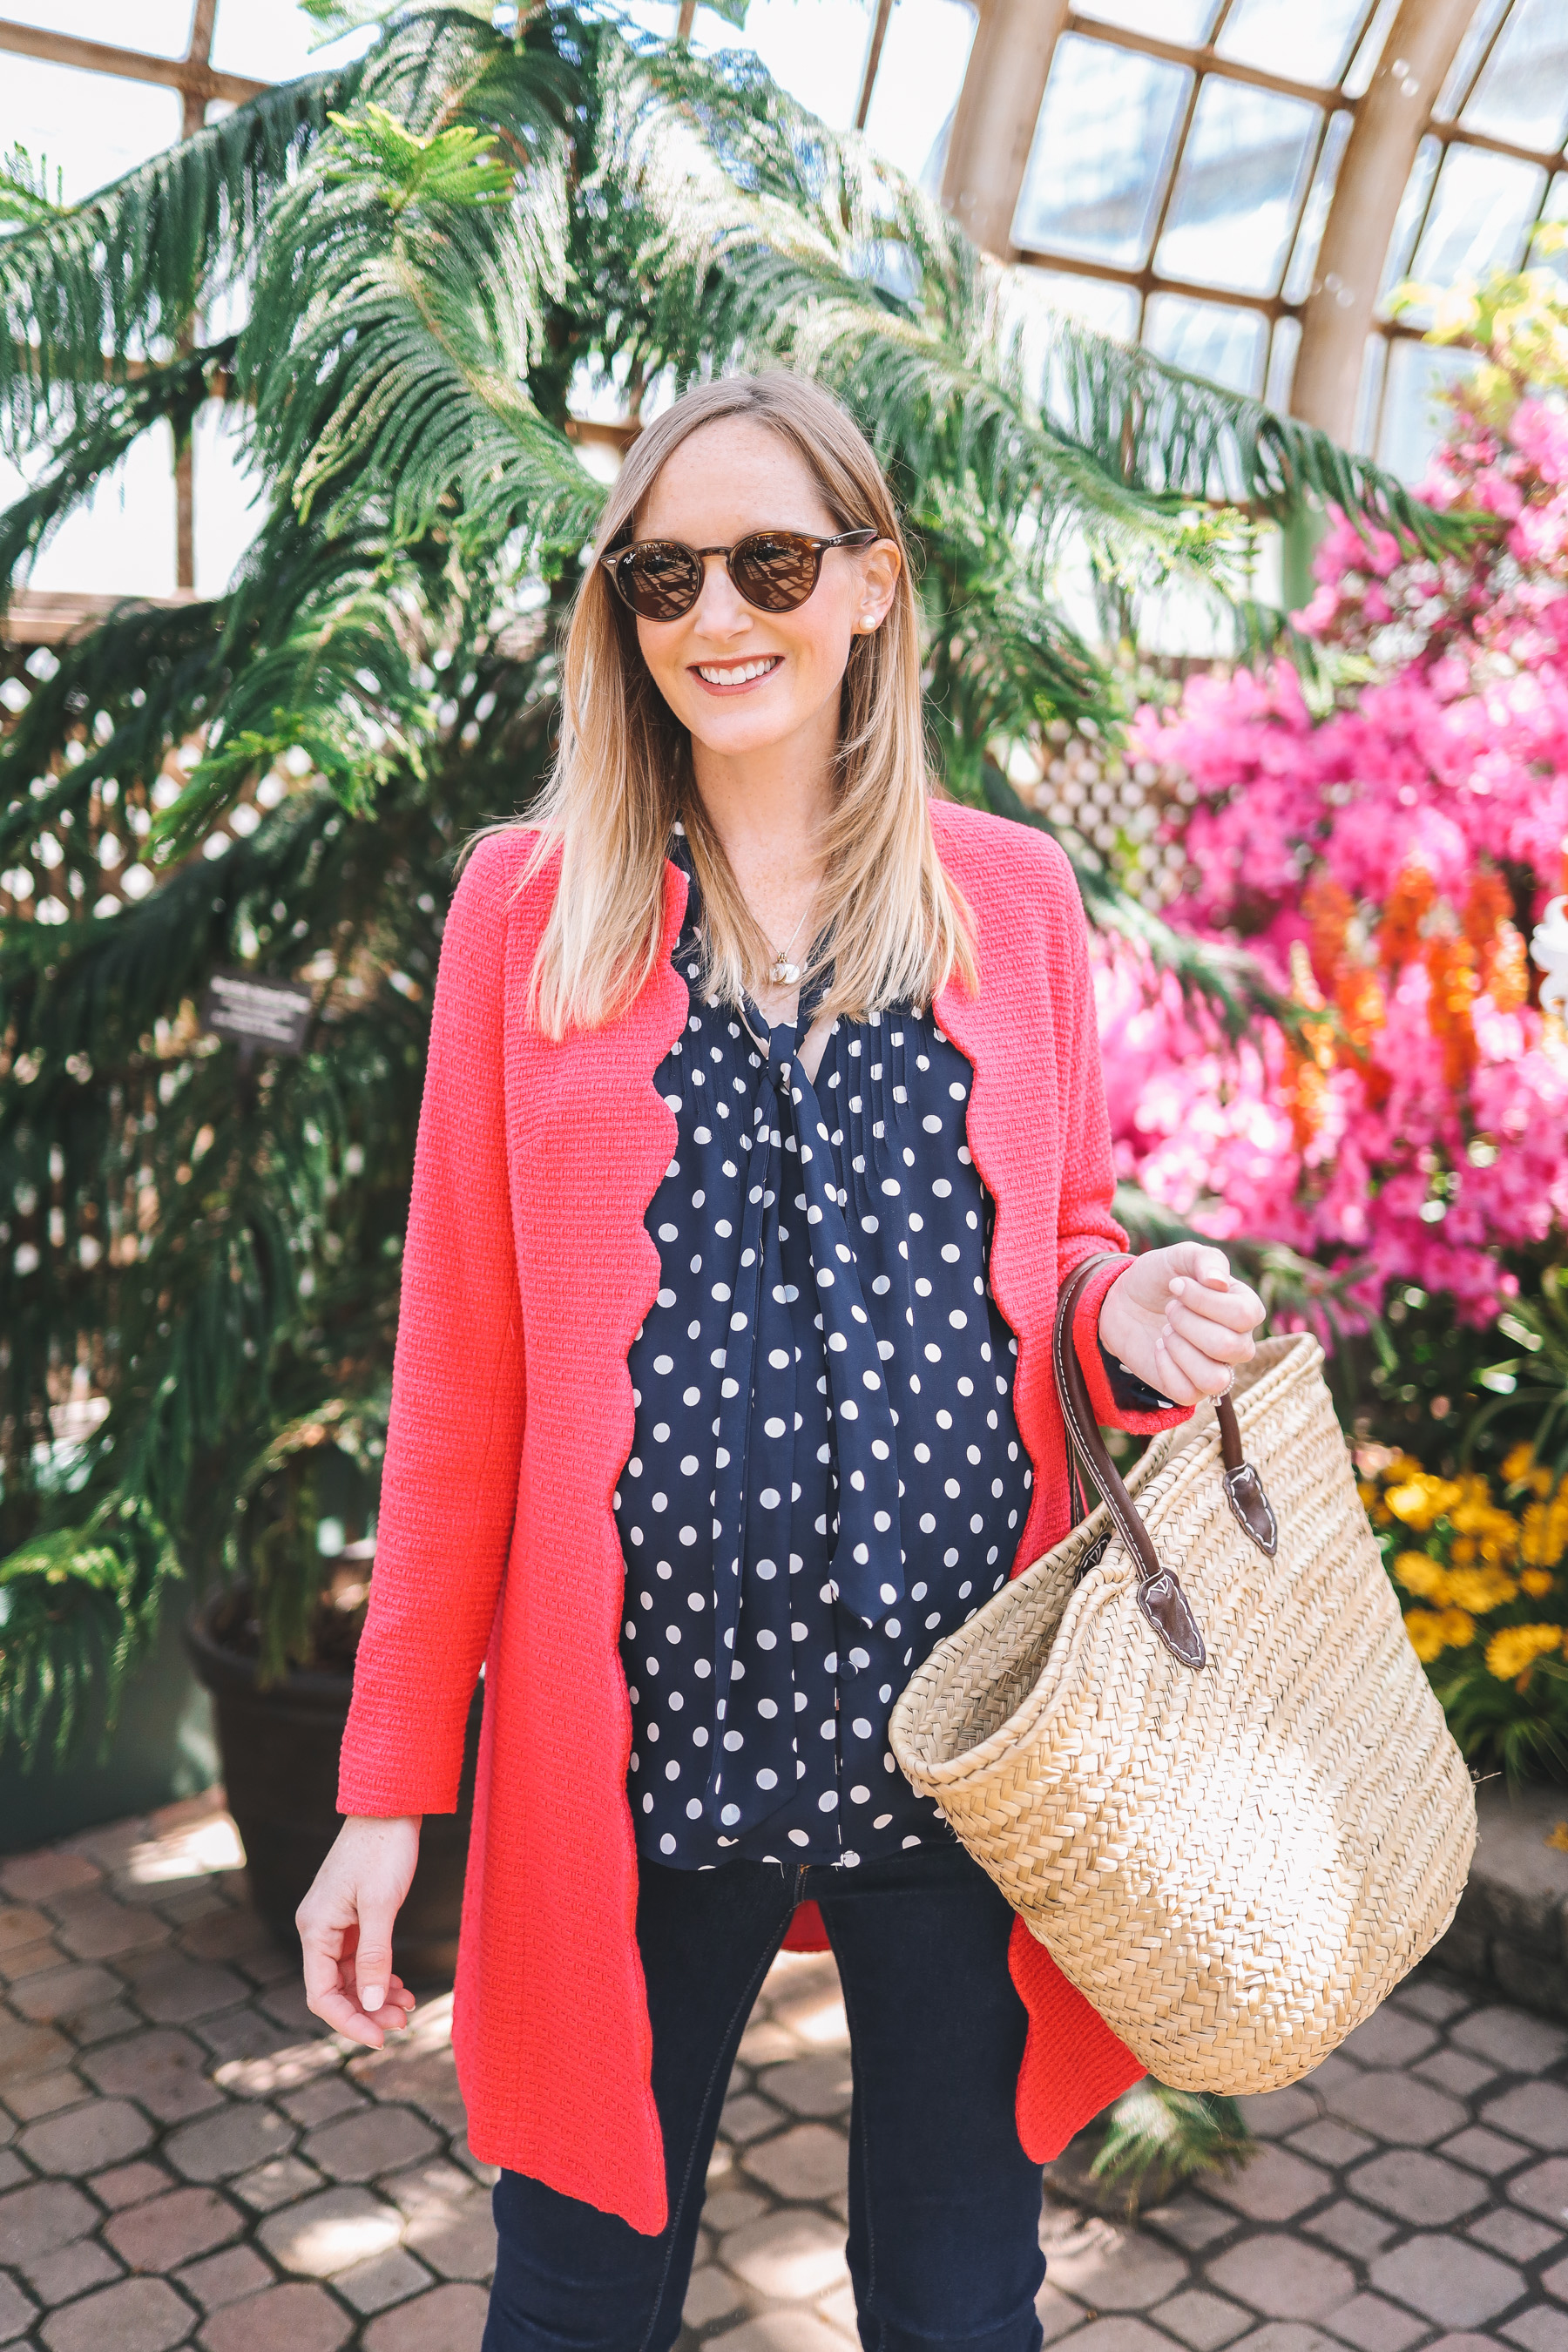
column 825, row 1474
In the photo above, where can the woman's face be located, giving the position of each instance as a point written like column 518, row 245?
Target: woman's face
column 741, row 680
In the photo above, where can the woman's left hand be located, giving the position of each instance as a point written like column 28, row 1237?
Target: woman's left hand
column 1180, row 1320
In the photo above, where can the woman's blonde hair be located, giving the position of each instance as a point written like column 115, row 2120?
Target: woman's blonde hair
column 889, row 922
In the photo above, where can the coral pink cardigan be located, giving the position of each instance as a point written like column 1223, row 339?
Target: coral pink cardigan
column 527, row 1272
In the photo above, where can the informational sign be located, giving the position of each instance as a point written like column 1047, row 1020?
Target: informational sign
column 269, row 1016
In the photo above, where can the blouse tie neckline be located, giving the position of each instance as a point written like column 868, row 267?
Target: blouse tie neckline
column 864, row 1547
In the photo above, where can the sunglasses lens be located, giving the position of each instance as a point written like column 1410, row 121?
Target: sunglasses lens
column 774, row 570
column 660, row 579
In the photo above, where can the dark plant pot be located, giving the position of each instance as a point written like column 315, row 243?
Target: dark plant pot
column 279, row 1755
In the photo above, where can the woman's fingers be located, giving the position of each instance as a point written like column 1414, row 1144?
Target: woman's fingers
column 1203, row 1375
column 1237, row 1305
column 1225, row 1343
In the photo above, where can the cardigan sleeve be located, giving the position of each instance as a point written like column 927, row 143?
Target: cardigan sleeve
column 455, row 1437
column 1086, row 1224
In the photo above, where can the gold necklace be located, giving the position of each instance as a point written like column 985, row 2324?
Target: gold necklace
column 780, row 972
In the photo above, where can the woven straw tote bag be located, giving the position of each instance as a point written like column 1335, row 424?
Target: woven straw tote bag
column 1194, row 1747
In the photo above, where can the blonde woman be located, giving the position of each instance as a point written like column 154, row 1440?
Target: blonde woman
column 763, row 1119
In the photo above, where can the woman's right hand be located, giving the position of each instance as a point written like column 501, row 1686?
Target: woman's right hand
column 345, row 1929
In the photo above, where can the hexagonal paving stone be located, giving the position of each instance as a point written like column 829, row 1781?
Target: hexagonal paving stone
column 45, row 2214
column 458, row 2239
column 293, row 2318
column 810, row 2161
column 1273, row 2185
column 1447, row 2280
column 1397, row 2107
column 1281, row 2277
column 385, row 2280
column 1203, row 2321
column 448, row 2319
column 162, row 2072
column 55, row 1996
column 222, row 2145
column 1511, row 2039
column 69, row 2271
column 331, row 2231
column 820, row 2086
column 223, row 2278
column 137, row 2316
column 378, row 2140
column 1374, row 2326
column 1514, row 2235
column 1455, row 2071
column 710, row 2293
column 1536, row 2112
column 793, row 2254
column 169, row 2231
column 1271, row 2114
column 101, row 2132
column 1112, row 2269
column 1542, row 2189
column 1389, row 2038
column 1419, row 2187
column 1538, row 2330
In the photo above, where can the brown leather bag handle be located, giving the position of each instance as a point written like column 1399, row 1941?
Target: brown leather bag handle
column 1160, row 1595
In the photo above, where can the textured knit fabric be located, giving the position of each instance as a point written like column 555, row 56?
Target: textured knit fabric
column 825, row 1476
column 527, row 1272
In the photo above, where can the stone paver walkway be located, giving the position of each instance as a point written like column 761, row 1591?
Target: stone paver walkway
column 186, row 2160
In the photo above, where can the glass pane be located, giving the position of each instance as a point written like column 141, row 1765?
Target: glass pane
column 1314, row 219
column 1482, row 209
column 1102, row 153
column 814, row 49
column 161, row 28
column 273, row 40
column 92, row 127
column 1522, row 93
column 1239, row 190
column 1407, row 220
column 1369, row 393
column 227, row 521
column 1164, row 20
column 1412, row 421
column 1555, row 209
column 1466, row 56
column 123, row 542
column 1283, row 356
column 1300, row 43
column 1208, row 338
column 918, row 80
column 1368, row 57
column 1097, row 302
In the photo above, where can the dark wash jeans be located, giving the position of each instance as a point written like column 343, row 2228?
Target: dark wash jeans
column 944, row 2206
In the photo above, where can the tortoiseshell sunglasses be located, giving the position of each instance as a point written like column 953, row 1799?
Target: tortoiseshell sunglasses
column 662, row 579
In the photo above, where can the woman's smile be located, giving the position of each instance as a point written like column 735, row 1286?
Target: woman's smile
column 736, row 676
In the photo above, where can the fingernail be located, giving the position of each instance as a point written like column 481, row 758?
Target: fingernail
column 372, row 1998
column 1178, row 1284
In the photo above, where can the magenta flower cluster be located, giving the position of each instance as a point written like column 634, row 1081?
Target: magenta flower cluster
column 1384, row 862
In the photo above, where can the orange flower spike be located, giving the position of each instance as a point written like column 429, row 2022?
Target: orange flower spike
column 1507, row 973
column 1399, row 934
column 1362, row 1006
column 1487, row 906
column 1328, row 909
column 1451, row 988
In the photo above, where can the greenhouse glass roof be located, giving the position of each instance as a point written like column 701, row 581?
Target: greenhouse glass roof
column 1238, row 183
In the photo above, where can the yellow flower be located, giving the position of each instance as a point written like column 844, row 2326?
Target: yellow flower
column 1512, row 1651
column 1426, row 1631
column 1422, row 1500
column 1433, row 1630
column 1480, row 1589
column 1545, row 1534
column 1517, row 1462
column 1420, row 1573
column 1463, row 1554
column 1537, row 1581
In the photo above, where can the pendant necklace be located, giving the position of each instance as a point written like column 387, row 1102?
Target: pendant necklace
column 780, row 972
